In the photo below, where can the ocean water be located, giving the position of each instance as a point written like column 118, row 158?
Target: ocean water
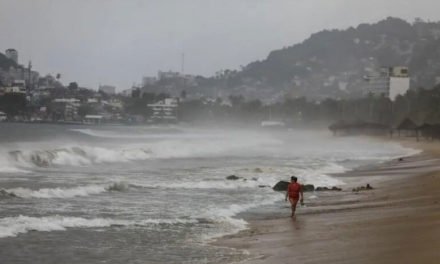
column 85, row 194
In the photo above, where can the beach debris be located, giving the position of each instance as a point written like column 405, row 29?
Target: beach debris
column 263, row 186
column 232, row 178
column 258, row 170
column 363, row 188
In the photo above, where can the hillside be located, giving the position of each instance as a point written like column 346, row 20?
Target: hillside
column 331, row 63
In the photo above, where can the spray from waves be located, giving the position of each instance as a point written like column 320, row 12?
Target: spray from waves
column 319, row 176
column 170, row 133
column 13, row 226
column 46, row 193
column 6, row 166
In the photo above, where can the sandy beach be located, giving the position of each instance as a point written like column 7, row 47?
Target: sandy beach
column 397, row 222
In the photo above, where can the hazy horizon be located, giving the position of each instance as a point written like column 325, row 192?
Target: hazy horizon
column 118, row 42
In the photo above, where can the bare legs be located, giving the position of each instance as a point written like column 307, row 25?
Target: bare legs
column 293, row 203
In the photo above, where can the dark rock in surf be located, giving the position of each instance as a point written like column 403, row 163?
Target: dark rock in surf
column 258, row 170
column 281, row 186
column 368, row 187
column 326, row 189
column 308, row 187
column 232, row 178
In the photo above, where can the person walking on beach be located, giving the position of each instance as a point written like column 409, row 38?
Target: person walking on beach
column 294, row 193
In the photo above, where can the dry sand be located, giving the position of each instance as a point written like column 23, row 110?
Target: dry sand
column 397, row 222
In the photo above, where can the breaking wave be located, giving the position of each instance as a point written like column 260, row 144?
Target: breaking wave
column 83, row 155
column 77, row 156
column 64, row 192
column 226, row 219
column 13, row 226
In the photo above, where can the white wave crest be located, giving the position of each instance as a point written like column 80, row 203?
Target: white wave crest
column 66, row 192
column 77, row 156
column 13, row 226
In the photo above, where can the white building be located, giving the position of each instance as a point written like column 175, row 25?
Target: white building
column 65, row 108
column 12, row 54
column 389, row 82
column 165, row 111
column 107, row 89
column 168, row 75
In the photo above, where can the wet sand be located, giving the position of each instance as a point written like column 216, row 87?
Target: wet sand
column 397, row 222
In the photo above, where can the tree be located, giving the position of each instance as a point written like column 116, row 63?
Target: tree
column 13, row 104
column 85, row 109
column 236, row 100
column 73, row 86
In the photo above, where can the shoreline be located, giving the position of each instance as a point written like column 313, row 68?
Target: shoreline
column 397, row 222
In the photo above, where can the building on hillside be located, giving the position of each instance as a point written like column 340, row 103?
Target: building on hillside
column 93, row 119
column 148, row 81
column 167, row 75
column 14, row 89
column 164, row 111
column 46, row 82
column 127, row 92
column 388, row 82
column 65, row 109
column 12, row 54
column 107, row 89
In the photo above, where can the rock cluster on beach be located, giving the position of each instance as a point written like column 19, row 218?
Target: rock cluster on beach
column 363, row 188
column 281, row 186
column 235, row 178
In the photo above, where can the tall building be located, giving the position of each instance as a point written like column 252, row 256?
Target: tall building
column 389, row 82
column 12, row 54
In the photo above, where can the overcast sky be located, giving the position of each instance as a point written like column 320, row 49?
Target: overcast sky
column 119, row 41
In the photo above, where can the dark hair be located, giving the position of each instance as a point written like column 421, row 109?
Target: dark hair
column 293, row 178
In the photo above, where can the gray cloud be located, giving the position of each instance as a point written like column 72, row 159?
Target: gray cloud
column 119, row 41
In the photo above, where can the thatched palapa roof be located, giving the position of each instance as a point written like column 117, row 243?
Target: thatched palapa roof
column 407, row 124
